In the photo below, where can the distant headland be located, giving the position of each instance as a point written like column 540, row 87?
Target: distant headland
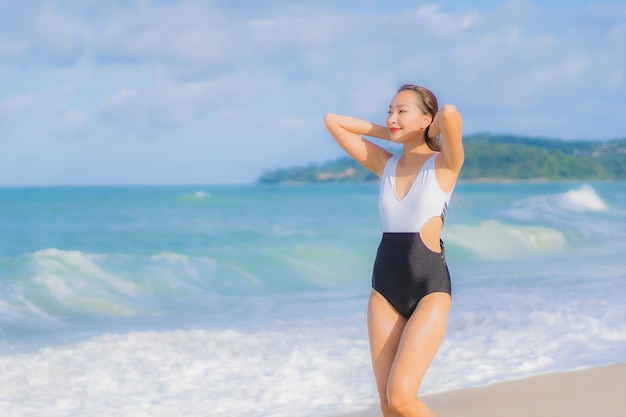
column 492, row 157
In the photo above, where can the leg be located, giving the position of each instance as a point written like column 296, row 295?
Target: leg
column 418, row 345
column 384, row 326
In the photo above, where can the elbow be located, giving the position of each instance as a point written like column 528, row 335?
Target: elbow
column 450, row 119
column 330, row 119
column 448, row 111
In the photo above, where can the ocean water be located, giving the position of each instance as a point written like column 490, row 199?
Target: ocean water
column 250, row 300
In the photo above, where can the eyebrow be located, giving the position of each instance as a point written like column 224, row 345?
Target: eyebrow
column 400, row 105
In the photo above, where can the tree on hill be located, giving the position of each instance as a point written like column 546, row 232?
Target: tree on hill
column 496, row 157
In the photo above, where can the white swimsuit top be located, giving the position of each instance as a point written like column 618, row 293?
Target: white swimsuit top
column 424, row 200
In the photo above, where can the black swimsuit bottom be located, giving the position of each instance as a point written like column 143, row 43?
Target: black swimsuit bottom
column 406, row 270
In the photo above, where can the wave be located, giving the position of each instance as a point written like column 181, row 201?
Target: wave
column 574, row 219
column 54, row 285
column 492, row 239
column 196, row 195
column 583, row 199
column 570, row 204
column 581, row 214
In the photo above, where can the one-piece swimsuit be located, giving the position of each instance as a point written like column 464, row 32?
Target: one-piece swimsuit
column 406, row 270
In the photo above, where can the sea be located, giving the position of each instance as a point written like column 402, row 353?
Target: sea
column 250, row 300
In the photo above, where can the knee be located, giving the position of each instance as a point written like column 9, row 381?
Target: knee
column 400, row 401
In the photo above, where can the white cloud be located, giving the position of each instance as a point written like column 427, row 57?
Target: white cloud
column 570, row 69
column 161, row 105
column 75, row 120
column 178, row 33
column 16, row 106
column 167, row 103
column 15, row 111
column 42, row 35
column 260, row 75
column 445, row 24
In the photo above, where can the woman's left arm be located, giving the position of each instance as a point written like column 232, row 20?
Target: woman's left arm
column 448, row 122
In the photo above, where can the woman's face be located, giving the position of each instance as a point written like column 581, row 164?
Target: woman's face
column 406, row 121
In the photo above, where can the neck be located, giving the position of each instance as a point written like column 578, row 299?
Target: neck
column 417, row 149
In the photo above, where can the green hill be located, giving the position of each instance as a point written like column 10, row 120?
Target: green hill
column 491, row 156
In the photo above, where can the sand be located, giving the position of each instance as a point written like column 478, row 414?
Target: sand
column 597, row 392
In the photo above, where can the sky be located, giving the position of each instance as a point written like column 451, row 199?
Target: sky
column 142, row 92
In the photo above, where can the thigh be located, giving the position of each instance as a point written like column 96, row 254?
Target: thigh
column 384, row 326
column 419, row 343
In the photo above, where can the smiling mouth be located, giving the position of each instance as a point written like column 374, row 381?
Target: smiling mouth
column 394, row 129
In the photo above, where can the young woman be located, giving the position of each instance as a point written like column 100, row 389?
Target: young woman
column 410, row 296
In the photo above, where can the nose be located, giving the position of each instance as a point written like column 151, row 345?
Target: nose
column 391, row 119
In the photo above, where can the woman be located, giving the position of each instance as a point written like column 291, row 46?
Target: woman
column 410, row 297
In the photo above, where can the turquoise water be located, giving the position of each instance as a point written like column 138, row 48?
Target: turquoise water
column 171, row 300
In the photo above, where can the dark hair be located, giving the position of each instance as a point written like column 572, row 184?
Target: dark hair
column 428, row 104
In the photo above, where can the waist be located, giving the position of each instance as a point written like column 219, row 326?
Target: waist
column 408, row 242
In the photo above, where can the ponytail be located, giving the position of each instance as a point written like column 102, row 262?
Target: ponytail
column 432, row 143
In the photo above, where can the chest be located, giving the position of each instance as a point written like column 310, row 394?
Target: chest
column 405, row 176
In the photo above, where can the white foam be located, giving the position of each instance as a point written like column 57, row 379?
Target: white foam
column 70, row 286
column 305, row 367
column 312, row 357
column 54, row 263
column 580, row 214
column 583, row 199
column 287, row 372
column 170, row 256
column 197, row 195
column 522, row 332
column 72, row 281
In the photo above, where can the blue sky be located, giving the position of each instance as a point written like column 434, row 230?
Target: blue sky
column 216, row 92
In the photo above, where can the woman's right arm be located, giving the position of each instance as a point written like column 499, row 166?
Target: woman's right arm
column 347, row 132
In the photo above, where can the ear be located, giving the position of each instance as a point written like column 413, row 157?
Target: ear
column 426, row 121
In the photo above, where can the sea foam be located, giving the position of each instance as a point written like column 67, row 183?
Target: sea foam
column 283, row 372
column 583, row 199
column 56, row 283
column 310, row 366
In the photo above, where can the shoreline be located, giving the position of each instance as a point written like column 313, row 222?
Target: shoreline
column 477, row 180
column 480, row 180
column 593, row 392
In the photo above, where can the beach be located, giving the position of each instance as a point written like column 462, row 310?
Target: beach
column 597, row 392
column 250, row 301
